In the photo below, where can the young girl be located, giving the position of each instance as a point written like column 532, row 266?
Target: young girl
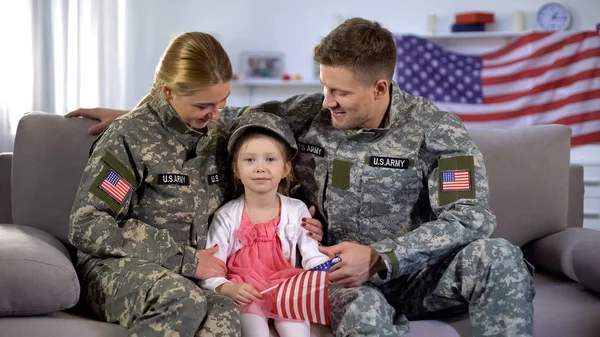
column 258, row 233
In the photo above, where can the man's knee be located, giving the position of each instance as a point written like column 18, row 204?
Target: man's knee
column 489, row 252
column 363, row 301
column 362, row 311
column 498, row 259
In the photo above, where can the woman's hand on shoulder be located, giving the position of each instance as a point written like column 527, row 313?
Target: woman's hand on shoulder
column 103, row 115
column 241, row 293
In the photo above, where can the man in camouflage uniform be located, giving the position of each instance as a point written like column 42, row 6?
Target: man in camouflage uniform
column 140, row 222
column 406, row 201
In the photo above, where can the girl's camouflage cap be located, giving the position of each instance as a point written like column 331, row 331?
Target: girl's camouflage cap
column 264, row 120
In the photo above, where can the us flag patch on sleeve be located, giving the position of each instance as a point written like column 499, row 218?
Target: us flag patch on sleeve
column 456, row 180
column 115, row 186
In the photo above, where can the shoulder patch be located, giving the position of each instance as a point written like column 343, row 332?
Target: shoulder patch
column 115, row 186
column 113, row 183
column 456, row 179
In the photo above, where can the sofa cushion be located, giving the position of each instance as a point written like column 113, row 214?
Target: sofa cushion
column 37, row 274
column 59, row 324
column 528, row 171
column 51, row 152
column 564, row 308
column 574, row 252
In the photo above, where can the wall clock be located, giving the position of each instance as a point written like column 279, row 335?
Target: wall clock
column 554, row 16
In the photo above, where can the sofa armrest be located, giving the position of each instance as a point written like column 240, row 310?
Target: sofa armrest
column 37, row 275
column 576, row 192
column 574, row 252
column 5, row 182
column 586, row 264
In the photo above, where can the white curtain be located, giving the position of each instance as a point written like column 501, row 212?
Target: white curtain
column 16, row 70
column 67, row 54
column 79, row 46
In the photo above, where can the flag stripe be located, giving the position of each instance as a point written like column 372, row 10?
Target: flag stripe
column 593, row 137
column 553, row 44
column 278, row 307
column 509, row 120
column 296, row 292
column 534, row 109
column 522, row 86
column 313, row 307
column 318, row 301
column 547, row 86
column 322, row 300
column 522, row 42
column 525, row 72
column 303, row 302
column 580, row 118
column 287, row 292
column 588, row 44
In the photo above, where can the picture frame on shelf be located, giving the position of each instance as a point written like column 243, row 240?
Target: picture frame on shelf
column 262, row 65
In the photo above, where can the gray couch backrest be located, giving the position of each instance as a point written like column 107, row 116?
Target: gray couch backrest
column 528, row 171
column 50, row 154
column 5, row 182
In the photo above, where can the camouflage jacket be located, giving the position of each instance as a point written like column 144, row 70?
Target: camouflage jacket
column 149, row 189
column 383, row 187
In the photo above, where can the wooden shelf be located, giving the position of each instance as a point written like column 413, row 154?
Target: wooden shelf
column 275, row 83
column 475, row 35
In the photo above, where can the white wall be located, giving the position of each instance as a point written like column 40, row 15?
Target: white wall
column 294, row 28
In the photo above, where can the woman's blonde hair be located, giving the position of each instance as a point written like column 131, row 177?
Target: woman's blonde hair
column 192, row 61
column 288, row 185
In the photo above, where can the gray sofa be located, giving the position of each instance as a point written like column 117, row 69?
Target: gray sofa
column 536, row 195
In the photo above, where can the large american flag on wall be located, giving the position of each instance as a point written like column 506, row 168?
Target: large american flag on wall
column 540, row 78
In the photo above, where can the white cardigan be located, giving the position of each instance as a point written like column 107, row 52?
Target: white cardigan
column 229, row 217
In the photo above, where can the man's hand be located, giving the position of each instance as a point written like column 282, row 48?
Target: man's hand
column 358, row 263
column 103, row 115
column 209, row 265
column 241, row 293
column 313, row 226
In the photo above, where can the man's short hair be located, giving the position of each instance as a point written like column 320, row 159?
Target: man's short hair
column 365, row 47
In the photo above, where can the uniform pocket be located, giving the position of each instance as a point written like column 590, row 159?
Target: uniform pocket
column 167, row 204
column 389, row 191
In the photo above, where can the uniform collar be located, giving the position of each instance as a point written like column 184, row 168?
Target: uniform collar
column 171, row 120
column 394, row 116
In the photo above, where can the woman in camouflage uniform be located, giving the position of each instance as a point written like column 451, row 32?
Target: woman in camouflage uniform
column 142, row 210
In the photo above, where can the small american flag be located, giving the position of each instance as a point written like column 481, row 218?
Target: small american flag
column 540, row 78
column 326, row 266
column 456, row 180
column 303, row 297
column 115, row 186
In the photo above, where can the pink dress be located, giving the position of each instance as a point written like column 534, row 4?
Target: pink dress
column 260, row 262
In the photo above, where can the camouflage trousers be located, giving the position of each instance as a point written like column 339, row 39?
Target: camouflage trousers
column 150, row 300
column 488, row 278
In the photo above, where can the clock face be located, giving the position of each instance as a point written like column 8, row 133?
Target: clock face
column 554, row 16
